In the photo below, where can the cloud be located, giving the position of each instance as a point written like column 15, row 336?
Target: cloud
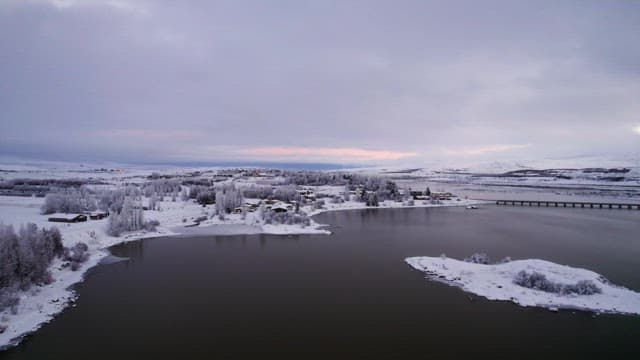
column 150, row 134
column 128, row 6
column 334, row 154
column 422, row 81
column 483, row 150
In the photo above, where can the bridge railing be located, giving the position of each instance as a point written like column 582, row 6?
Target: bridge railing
column 572, row 204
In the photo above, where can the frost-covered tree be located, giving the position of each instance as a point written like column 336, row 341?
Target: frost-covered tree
column 371, row 199
column 346, row 194
column 206, row 197
column 285, row 193
column 161, row 187
column 227, row 200
column 25, row 257
column 406, row 194
column 71, row 200
column 130, row 218
column 153, row 202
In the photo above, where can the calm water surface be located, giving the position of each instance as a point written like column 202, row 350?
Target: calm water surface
column 348, row 295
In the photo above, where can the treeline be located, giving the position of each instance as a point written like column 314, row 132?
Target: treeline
column 162, row 187
column 83, row 199
column 383, row 188
column 25, row 257
column 72, row 200
column 316, row 178
column 37, row 187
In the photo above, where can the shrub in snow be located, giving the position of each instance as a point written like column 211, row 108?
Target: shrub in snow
column 336, row 200
column 288, row 218
column 539, row 281
column 206, row 197
column 536, row 281
column 582, row 287
column 9, row 300
column 151, row 225
column 505, row 260
column 76, row 255
column 478, row 258
column 318, row 204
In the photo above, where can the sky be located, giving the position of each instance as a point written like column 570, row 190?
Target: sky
column 346, row 82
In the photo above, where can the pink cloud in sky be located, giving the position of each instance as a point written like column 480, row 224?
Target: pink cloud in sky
column 345, row 154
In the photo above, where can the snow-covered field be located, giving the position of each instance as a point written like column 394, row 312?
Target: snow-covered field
column 496, row 282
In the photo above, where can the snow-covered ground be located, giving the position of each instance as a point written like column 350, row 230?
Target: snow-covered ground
column 40, row 304
column 180, row 217
column 496, row 282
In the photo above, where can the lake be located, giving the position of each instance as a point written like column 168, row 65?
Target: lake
column 347, row 295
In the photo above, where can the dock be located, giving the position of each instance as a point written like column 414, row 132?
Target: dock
column 569, row 204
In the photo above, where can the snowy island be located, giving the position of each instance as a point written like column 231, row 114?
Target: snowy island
column 531, row 282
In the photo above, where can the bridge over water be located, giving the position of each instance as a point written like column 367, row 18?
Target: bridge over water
column 571, row 204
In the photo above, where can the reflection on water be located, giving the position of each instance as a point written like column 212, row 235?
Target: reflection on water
column 348, row 295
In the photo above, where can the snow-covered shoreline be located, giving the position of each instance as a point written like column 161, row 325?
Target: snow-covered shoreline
column 40, row 305
column 495, row 282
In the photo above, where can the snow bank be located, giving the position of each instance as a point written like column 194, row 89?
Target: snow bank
column 389, row 204
column 42, row 303
column 495, row 282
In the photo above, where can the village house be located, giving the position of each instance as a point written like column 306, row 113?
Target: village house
column 67, row 218
column 280, row 207
column 97, row 215
column 441, row 195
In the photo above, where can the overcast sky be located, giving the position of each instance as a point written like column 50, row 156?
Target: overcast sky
column 318, row 81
